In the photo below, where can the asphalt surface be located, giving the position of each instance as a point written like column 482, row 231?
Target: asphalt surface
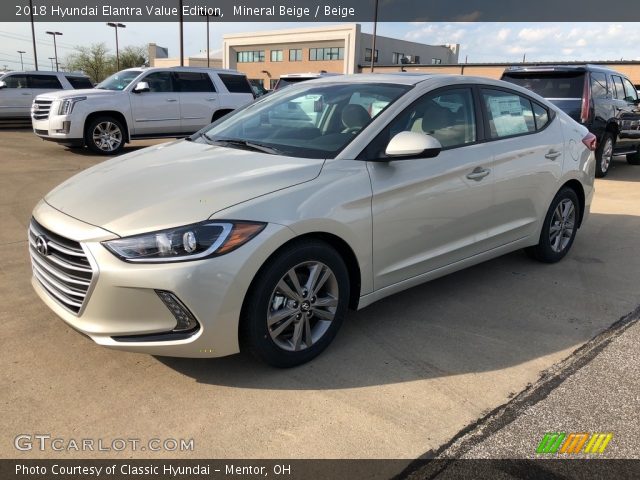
column 402, row 378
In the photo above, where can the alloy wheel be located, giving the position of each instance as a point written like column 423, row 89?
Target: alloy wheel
column 302, row 306
column 607, row 155
column 107, row 136
column 562, row 225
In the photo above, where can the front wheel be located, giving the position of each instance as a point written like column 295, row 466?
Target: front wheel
column 296, row 304
column 104, row 136
column 559, row 229
column 604, row 155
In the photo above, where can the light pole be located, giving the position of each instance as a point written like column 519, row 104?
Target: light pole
column 33, row 34
column 55, row 47
column 21, row 62
column 208, row 58
column 373, row 41
column 52, row 59
column 181, row 35
column 116, row 26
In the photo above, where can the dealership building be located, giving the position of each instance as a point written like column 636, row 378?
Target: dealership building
column 266, row 55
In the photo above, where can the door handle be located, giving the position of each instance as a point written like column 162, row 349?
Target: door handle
column 478, row 174
column 211, row 99
column 25, row 94
column 171, row 100
column 552, row 154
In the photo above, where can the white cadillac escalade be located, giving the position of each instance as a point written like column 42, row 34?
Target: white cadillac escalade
column 139, row 103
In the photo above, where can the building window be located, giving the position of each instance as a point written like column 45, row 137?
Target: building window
column 250, row 57
column 416, row 59
column 397, row 57
column 436, row 61
column 329, row 53
column 295, row 55
column 276, row 55
column 367, row 55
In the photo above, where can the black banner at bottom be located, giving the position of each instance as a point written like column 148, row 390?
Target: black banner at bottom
column 441, row 469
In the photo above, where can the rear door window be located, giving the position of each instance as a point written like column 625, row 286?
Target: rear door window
column 618, row 89
column 79, row 82
column 50, row 82
column 194, row 82
column 509, row 114
column 550, row 84
column 236, row 83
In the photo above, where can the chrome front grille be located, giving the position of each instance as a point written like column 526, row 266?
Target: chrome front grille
column 60, row 266
column 40, row 109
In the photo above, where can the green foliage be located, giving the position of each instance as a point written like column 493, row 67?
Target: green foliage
column 97, row 61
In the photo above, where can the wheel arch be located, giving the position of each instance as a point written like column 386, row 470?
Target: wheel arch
column 577, row 187
column 109, row 113
column 220, row 113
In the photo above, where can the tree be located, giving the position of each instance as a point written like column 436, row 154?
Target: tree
column 133, row 56
column 93, row 60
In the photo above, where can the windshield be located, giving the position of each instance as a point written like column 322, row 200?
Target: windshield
column 310, row 120
column 119, row 81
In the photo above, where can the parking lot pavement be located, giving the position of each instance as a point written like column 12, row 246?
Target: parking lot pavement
column 402, row 377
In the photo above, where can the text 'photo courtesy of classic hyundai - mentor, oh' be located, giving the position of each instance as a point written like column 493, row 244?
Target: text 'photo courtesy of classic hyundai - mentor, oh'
column 260, row 231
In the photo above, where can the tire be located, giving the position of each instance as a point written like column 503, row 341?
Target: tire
column 604, row 155
column 633, row 158
column 276, row 326
column 105, row 135
column 553, row 246
column 219, row 114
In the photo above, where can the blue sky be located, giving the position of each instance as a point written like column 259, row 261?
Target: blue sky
column 480, row 42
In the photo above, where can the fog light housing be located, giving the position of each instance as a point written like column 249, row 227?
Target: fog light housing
column 66, row 127
column 185, row 320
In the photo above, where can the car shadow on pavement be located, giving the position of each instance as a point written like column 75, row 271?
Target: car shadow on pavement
column 492, row 317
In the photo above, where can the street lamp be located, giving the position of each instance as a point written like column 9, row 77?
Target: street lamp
column 116, row 26
column 52, row 59
column 373, row 37
column 181, row 34
column 33, row 34
column 21, row 62
column 55, row 47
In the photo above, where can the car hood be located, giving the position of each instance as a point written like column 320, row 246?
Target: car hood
column 174, row 184
column 83, row 92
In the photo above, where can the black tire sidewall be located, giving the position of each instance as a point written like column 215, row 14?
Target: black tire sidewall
column 254, row 334
column 88, row 135
column 544, row 252
column 599, row 172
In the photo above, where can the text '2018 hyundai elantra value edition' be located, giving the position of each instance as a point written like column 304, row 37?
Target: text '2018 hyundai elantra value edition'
column 260, row 231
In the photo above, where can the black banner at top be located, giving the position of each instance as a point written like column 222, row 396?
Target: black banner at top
column 319, row 10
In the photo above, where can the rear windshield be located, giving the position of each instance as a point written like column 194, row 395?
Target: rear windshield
column 236, row 83
column 550, row 85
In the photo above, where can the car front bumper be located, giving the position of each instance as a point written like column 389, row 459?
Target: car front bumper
column 122, row 299
column 59, row 128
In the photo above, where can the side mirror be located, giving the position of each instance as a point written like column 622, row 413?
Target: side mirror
column 413, row 144
column 3, row 84
column 141, row 87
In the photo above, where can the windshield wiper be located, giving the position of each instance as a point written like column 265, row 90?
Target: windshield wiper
column 244, row 144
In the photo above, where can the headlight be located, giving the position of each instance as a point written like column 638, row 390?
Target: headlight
column 66, row 107
column 192, row 242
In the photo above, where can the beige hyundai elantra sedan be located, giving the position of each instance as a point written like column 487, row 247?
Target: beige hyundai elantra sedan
column 263, row 229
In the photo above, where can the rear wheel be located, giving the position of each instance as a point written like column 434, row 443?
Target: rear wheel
column 296, row 304
column 104, row 136
column 604, row 155
column 633, row 158
column 559, row 229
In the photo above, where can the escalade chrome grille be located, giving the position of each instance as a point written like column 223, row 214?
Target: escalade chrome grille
column 40, row 109
column 60, row 266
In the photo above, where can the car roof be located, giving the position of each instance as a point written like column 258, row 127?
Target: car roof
column 45, row 72
column 403, row 78
column 586, row 67
column 184, row 69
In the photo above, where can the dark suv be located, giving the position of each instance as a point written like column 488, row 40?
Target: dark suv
column 603, row 100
